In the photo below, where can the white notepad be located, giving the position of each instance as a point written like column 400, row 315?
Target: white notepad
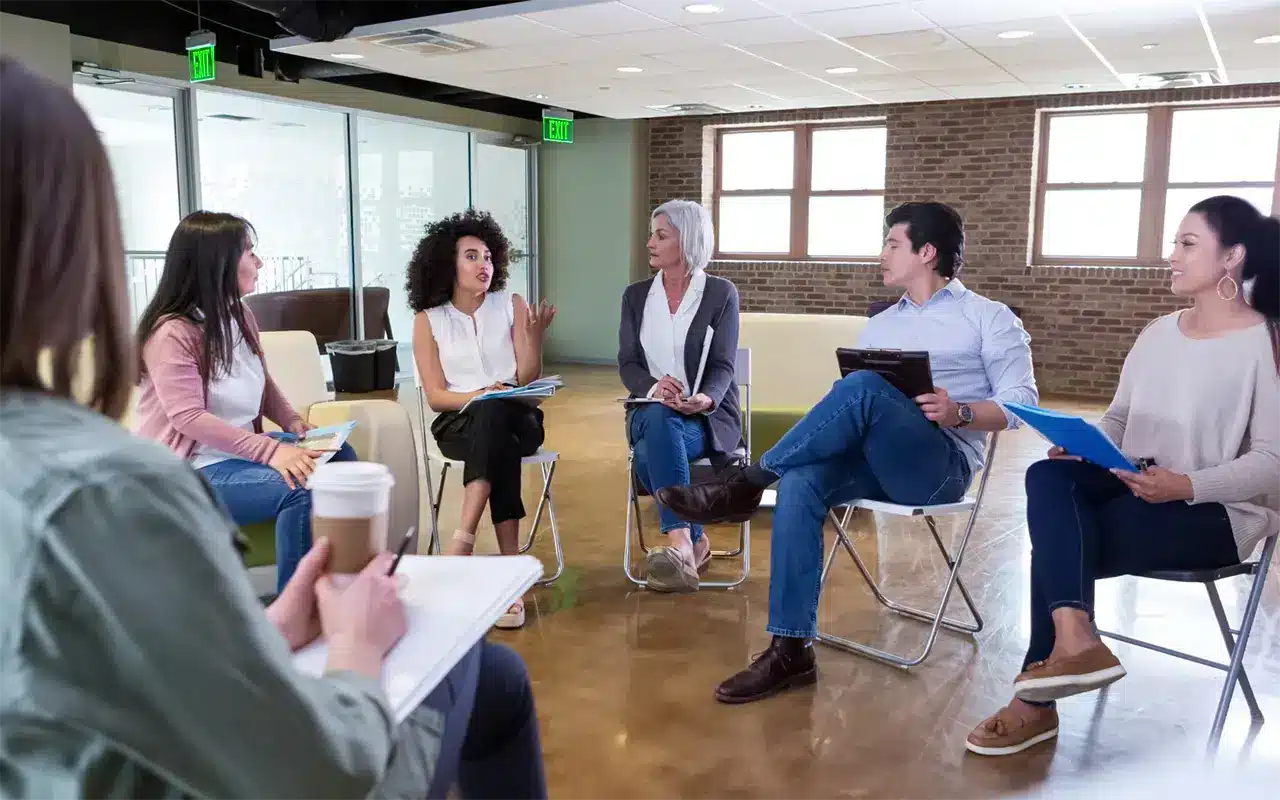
column 451, row 603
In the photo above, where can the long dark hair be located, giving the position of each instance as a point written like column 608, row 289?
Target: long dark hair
column 1237, row 222
column 433, row 269
column 201, row 283
column 62, row 274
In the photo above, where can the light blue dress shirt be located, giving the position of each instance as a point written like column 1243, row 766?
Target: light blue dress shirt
column 978, row 350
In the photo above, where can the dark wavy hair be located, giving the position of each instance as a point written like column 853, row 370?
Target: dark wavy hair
column 433, row 269
column 201, row 283
column 1237, row 222
column 937, row 224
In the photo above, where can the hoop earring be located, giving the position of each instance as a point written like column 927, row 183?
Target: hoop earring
column 1235, row 288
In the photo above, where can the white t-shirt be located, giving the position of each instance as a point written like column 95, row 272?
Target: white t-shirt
column 478, row 351
column 235, row 397
column 663, row 334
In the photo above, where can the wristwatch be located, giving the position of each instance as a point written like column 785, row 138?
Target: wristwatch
column 965, row 413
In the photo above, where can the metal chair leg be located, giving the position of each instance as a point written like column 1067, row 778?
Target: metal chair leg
column 936, row 620
column 1235, row 670
column 435, row 499
column 633, row 514
column 545, row 501
column 1220, row 614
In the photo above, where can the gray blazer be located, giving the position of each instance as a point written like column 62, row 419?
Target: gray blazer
column 719, row 310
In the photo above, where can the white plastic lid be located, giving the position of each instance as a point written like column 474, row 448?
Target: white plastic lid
column 351, row 476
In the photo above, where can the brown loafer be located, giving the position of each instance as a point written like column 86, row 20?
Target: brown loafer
column 1006, row 732
column 729, row 497
column 786, row 664
column 1063, row 677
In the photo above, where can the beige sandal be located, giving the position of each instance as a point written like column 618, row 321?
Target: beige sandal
column 513, row 618
column 464, row 544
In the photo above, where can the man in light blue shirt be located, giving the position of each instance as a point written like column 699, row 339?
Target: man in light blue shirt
column 866, row 439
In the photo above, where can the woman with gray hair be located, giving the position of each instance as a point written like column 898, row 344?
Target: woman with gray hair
column 667, row 322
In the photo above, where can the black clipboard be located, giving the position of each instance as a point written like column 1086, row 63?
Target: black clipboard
column 906, row 370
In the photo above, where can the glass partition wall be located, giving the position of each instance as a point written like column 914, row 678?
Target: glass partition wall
column 339, row 198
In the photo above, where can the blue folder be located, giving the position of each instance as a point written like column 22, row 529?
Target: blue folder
column 1074, row 434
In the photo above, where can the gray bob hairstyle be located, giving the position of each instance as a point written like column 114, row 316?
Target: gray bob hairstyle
column 693, row 222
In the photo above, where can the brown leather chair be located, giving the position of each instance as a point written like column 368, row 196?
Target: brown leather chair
column 325, row 313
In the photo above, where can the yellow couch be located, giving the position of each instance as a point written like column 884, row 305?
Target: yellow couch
column 382, row 433
column 793, row 364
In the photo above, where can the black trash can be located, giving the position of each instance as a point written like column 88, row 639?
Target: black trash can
column 361, row 366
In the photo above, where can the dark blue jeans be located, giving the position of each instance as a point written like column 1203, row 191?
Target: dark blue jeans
column 255, row 492
column 864, row 440
column 491, row 746
column 664, row 443
column 1085, row 524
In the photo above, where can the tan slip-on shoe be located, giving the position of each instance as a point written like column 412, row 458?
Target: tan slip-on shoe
column 1063, row 677
column 1006, row 732
column 513, row 618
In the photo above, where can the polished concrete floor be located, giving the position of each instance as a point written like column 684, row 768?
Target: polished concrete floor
column 624, row 677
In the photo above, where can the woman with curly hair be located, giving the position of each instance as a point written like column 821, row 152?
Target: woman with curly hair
column 471, row 335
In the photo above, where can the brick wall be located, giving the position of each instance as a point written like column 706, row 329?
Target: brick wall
column 977, row 155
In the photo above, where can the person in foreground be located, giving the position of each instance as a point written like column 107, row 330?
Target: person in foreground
column 470, row 336
column 1200, row 394
column 206, row 388
column 137, row 661
column 866, row 439
column 665, row 320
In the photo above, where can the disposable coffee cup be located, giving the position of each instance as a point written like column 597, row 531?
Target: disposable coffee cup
column 350, row 501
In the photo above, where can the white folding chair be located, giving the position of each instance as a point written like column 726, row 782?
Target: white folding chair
column 742, row 375
column 970, row 505
column 546, row 461
column 1235, row 646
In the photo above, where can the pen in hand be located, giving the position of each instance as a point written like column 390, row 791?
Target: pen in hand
column 404, row 545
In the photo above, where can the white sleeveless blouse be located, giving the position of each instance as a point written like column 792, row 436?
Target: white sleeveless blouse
column 476, row 352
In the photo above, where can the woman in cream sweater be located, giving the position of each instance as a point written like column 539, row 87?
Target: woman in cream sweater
column 1200, row 395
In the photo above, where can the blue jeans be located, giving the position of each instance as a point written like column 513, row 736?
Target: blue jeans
column 255, row 492
column 864, row 440
column 664, row 443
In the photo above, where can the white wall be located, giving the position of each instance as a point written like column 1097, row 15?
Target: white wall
column 44, row 47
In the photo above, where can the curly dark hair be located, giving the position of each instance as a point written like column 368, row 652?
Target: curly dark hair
column 433, row 269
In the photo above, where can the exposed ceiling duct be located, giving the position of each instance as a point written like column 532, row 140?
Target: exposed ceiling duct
column 320, row 22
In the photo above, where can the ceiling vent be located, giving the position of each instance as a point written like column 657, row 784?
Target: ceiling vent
column 423, row 42
column 697, row 109
column 1172, row 80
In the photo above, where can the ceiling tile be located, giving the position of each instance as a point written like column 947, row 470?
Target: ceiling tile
column 715, row 56
column 811, row 6
column 1242, row 28
column 923, row 95
column 770, row 30
column 1086, row 74
column 961, row 58
column 1057, row 54
column 598, row 19
column 951, row 13
column 857, row 83
column 889, row 45
column 672, row 11
column 1045, row 29
column 504, row 31
column 1010, row 89
column 894, row 18
column 667, row 40
column 816, row 55
column 963, row 77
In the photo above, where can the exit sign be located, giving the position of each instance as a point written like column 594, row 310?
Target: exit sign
column 200, row 64
column 557, row 126
column 200, row 61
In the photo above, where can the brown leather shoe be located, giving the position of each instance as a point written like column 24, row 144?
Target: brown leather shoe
column 788, row 662
column 729, row 497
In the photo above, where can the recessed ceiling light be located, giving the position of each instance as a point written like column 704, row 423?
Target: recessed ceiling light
column 1272, row 39
column 752, row 107
column 703, row 8
column 1151, row 46
column 537, row 97
column 841, row 70
column 1075, row 86
column 630, row 69
column 346, row 56
column 1015, row 34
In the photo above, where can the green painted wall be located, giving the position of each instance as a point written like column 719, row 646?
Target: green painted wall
column 593, row 218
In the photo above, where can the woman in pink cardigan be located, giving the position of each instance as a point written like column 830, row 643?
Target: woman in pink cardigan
column 205, row 385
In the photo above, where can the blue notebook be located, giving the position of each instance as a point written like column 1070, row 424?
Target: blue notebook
column 1074, row 434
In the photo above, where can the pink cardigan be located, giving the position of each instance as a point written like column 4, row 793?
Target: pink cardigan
column 173, row 407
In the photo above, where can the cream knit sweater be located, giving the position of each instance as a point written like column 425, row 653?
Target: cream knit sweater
column 1208, row 408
